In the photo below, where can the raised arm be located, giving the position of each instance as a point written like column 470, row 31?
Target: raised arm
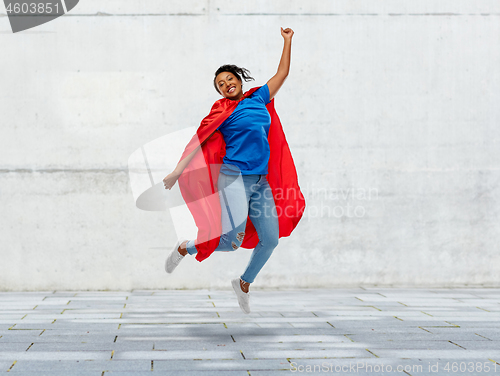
column 277, row 80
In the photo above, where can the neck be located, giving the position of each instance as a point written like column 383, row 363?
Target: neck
column 238, row 98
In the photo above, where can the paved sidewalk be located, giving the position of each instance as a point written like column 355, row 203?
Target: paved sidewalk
column 360, row 331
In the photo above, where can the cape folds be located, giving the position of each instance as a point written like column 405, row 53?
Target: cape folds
column 198, row 181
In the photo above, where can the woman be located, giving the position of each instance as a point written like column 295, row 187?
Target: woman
column 242, row 184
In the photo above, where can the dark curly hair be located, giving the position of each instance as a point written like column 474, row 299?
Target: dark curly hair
column 237, row 71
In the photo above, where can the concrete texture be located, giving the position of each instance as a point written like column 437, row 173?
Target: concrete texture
column 359, row 330
column 390, row 111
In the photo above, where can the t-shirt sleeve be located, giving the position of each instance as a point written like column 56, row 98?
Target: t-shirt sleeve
column 263, row 94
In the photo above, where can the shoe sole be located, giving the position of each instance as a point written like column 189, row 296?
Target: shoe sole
column 236, row 285
column 179, row 242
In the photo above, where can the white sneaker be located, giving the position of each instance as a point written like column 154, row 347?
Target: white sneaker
column 174, row 258
column 243, row 297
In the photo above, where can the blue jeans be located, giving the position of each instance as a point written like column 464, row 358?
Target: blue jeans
column 241, row 196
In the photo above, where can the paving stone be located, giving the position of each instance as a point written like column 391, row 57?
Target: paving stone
column 162, row 355
column 409, row 345
column 91, row 346
column 70, row 366
column 492, row 334
column 78, row 335
column 277, row 325
column 381, row 329
column 49, row 302
column 440, row 354
column 373, row 312
column 461, row 314
column 299, row 354
column 460, row 336
column 65, row 340
column 478, row 345
column 281, row 331
column 13, row 306
column 378, row 337
column 52, row 373
column 456, row 329
column 55, row 355
column 476, row 323
column 184, row 373
column 62, row 325
column 222, row 365
column 177, row 316
column 289, row 338
column 7, row 318
column 389, row 323
column 251, row 346
column 223, row 338
column 316, row 325
column 14, row 346
column 18, row 334
column 470, row 320
column 67, row 315
column 190, row 346
column 48, row 307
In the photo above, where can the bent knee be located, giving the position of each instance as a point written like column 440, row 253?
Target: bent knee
column 271, row 242
column 239, row 238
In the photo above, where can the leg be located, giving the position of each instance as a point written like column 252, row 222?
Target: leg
column 234, row 196
column 265, row 220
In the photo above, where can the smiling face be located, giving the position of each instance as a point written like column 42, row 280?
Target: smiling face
column 229, row 85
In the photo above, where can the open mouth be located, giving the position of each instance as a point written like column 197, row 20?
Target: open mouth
column 231, row 89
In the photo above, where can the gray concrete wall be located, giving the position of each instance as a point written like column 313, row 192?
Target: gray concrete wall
column 391, row 109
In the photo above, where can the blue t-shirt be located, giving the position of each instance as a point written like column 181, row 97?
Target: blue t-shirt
column 245, row 133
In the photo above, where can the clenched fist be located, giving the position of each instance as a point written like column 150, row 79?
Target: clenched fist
column 287, row 33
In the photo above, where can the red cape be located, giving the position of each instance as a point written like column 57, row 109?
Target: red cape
column 198, row 181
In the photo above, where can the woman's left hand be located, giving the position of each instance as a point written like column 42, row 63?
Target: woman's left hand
column 287, row 33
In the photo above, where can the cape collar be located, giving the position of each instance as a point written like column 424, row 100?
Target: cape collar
column 227, row 101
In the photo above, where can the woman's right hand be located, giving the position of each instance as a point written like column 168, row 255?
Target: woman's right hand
column 170, row 179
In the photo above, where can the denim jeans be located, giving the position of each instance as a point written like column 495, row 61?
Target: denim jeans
column 241, row 196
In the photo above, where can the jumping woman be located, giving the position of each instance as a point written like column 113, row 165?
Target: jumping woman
column 253, row 154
